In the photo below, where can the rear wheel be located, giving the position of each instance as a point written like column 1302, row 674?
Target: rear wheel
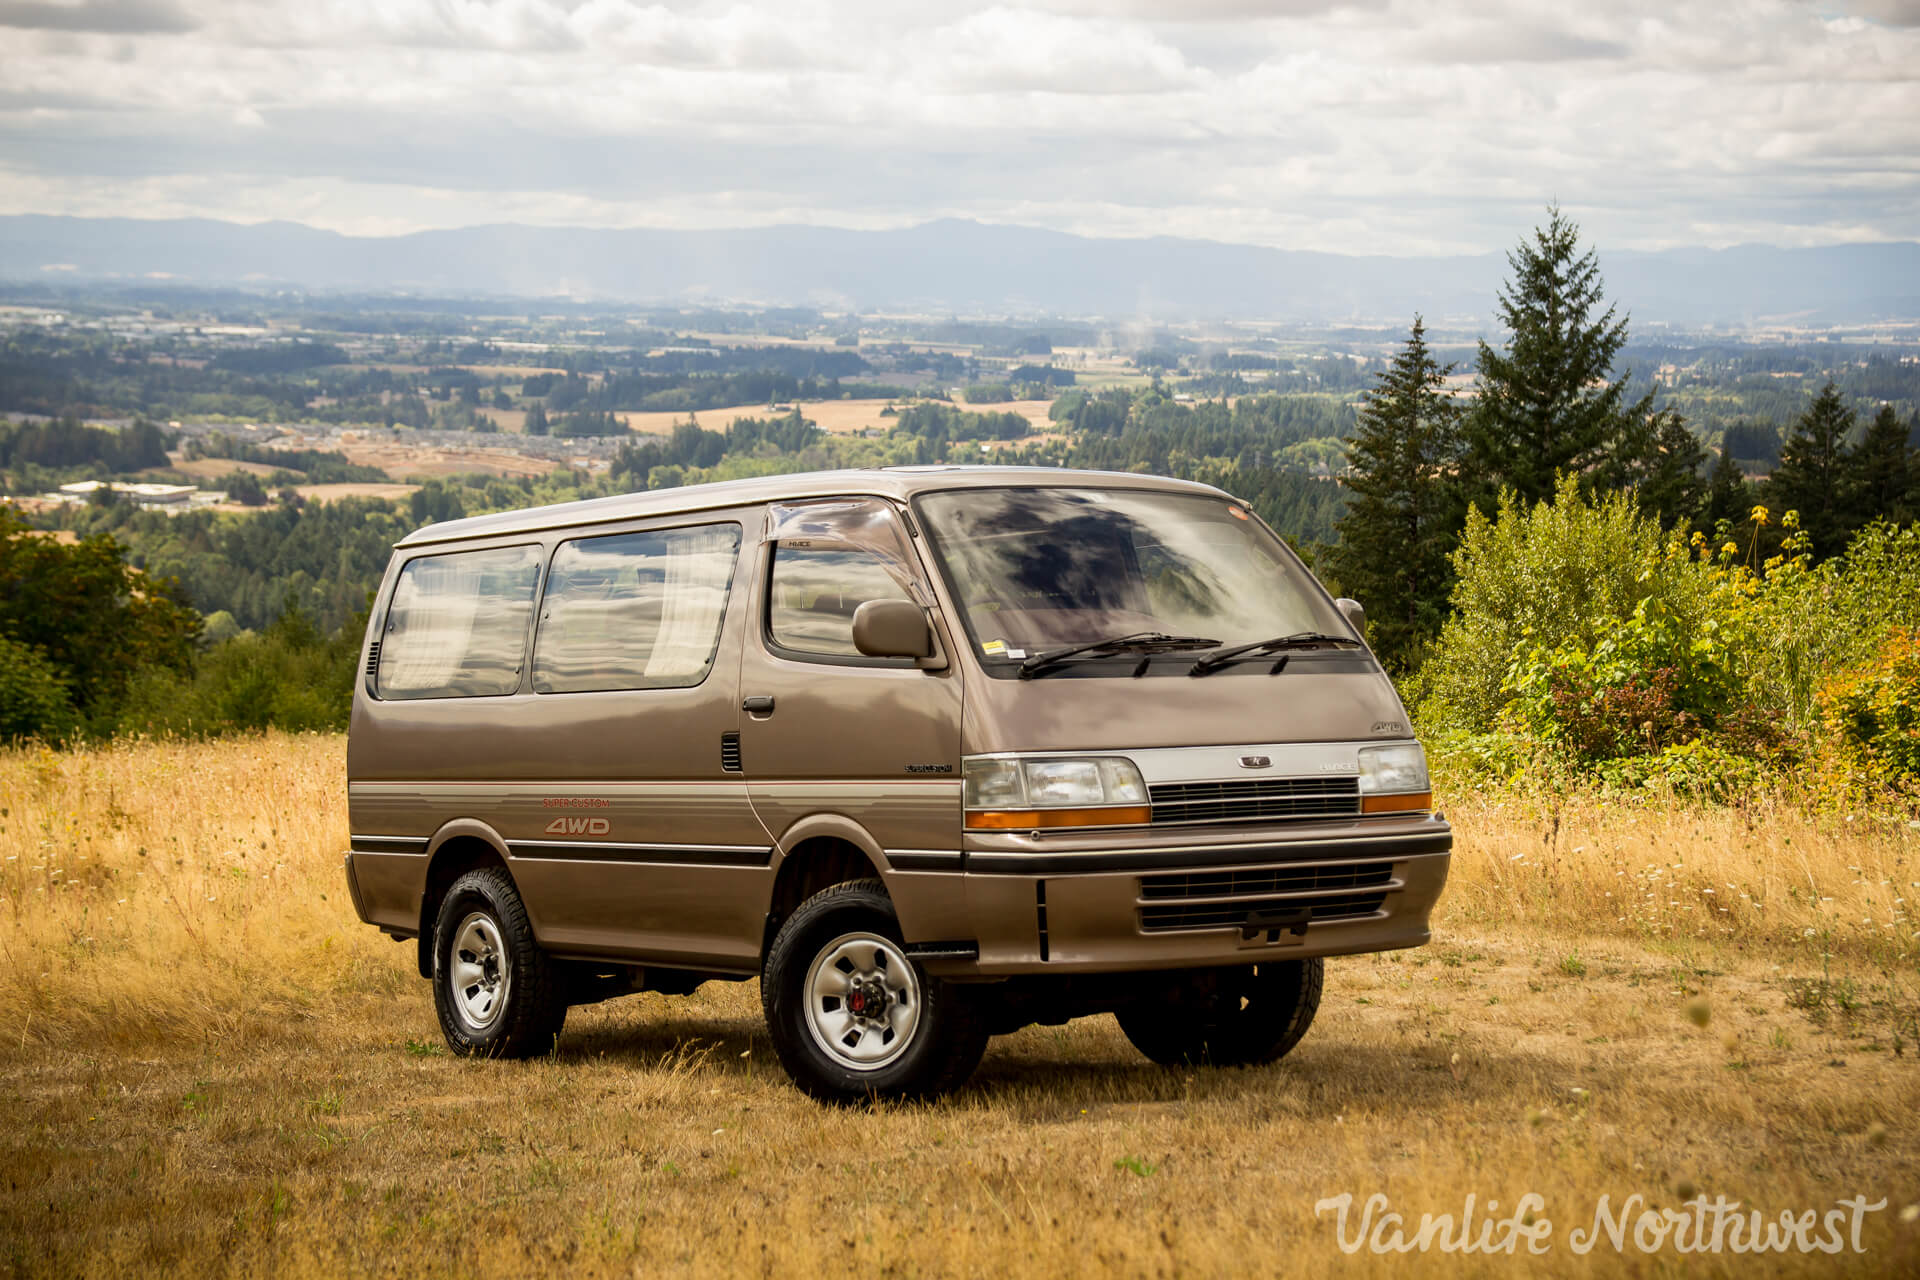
column 851, row 1015
column 497, row 993
column 1228, row 1017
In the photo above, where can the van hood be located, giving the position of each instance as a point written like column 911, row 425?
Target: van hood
column 1062, row 712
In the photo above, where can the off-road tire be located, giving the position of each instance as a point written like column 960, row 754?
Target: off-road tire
column 948, row 1036
column 532, row 1004
column 1252, row 1016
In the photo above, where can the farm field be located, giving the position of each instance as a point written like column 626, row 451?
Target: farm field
column 836, row 417
column 209, row 1067
column 403, row 460
column 334, row 492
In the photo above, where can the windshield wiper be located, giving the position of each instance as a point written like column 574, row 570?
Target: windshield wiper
column 1138, row 642
column 1298, row 640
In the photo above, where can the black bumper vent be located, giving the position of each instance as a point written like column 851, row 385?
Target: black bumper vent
column 1254, row 800
column 1266, row 880
column 1215, row 915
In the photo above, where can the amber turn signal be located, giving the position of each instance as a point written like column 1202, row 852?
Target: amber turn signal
column 1026, row 819
column 1407, row 802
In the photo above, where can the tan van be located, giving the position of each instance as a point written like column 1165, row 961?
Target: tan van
column 933, row 752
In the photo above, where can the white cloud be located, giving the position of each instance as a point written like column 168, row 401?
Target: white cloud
column 1398, row 126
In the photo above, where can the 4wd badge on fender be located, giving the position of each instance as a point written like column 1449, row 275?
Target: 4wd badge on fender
column 578, row 827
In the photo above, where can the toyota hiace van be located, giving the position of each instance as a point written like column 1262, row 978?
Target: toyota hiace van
column 932, row 752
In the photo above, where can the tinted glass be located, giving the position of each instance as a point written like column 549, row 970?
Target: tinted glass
column 1037, row 568
column 634, row 610
column 815, row 592
column 457, row 627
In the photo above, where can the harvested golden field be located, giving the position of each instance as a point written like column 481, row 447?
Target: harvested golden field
column 835, row 417
column 404, row 461
column 208, row 1067
column 214, row 468
column 335, row 492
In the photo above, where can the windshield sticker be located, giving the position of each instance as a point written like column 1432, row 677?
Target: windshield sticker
column 995, row 648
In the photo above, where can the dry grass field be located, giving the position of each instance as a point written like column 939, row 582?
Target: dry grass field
column 835, row 417
column 405, row 461
column 209, row 1067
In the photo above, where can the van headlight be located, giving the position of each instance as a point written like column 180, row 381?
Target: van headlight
column 1011, row 794
column 1393, row 779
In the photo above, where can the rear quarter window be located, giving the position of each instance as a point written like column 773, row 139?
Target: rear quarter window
column 457, row 627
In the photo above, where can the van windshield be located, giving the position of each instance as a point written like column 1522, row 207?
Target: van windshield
column 1036, row 569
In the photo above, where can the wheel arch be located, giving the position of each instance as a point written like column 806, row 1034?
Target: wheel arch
column 457, row 848
column 816, row 855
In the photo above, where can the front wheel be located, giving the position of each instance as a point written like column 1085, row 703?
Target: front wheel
column 851, row 1015
column 498, row 994
column 1228, row 1017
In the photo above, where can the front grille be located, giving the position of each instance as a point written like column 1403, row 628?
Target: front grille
column 1190, row 900
column 1254, row 800
column 1265, row 880
column 1213, row 915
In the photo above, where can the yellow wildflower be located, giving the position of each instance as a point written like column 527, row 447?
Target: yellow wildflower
column 1760, row 515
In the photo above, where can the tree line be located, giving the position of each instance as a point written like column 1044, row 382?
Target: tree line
column 1549, row 404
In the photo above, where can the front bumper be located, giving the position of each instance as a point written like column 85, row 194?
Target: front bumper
column 1067, row 905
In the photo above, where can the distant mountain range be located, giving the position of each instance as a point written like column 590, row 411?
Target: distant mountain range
column 965, row 267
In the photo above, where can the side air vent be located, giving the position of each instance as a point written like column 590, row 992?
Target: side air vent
column 730, row 752
column 373, row 660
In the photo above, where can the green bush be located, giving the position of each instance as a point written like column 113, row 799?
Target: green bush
column 1649, row 682
column 1559, row 576
column 1810, row 622
column 1874, row 714
column 1696, row 770
column 33, row 697
column 289, row 676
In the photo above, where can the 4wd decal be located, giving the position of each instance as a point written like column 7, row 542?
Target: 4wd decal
column 578, row 827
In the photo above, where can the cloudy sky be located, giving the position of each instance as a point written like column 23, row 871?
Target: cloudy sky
column 1356, row 126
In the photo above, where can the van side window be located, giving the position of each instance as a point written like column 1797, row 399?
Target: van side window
column 634, row 610
column 457, row 627
column 814, row 594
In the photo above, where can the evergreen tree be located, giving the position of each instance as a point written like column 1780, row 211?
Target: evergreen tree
column 1883, row 470
column 1548, row 403
column 1815, row 473
column 1407, row 503
column 1661, row 460
column 1729, row 497
column 536, row 419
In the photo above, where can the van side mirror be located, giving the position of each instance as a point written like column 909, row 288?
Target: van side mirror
column 892, row 629
column 1354, row 614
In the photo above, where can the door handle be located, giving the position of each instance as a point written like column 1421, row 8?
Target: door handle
column 760, row 704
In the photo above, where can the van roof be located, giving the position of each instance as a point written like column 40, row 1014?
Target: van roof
column 886, row 482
